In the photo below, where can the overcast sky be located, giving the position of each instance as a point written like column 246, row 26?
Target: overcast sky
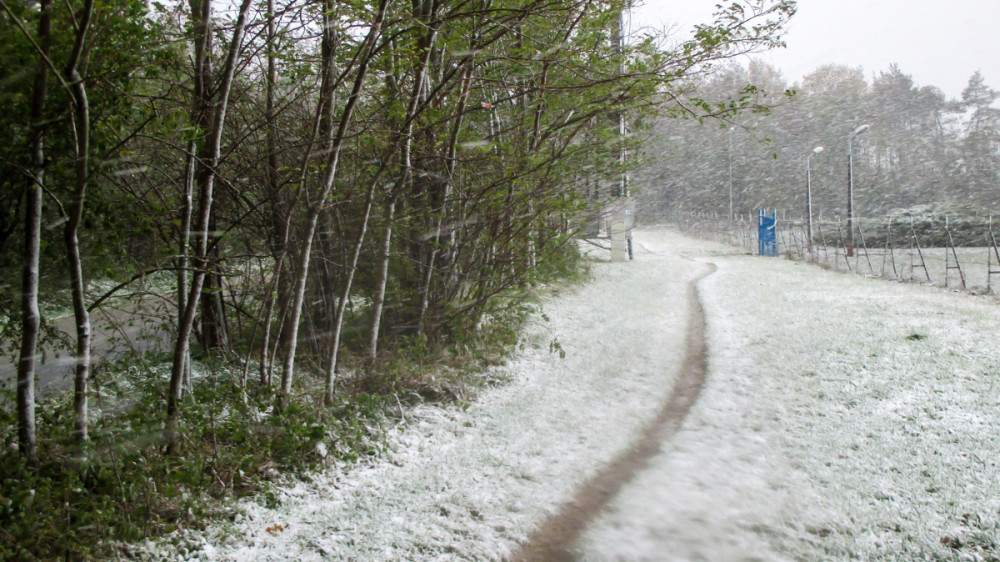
column 939, row 43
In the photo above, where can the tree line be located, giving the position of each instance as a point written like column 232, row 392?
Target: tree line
column 921, row 154
column 361, row 174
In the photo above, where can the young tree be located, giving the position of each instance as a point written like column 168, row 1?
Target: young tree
column 363, row 59
column 81, row 131
column 214, row 103
column 30, row 317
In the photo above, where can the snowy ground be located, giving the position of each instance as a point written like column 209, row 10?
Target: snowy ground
column 842, row 418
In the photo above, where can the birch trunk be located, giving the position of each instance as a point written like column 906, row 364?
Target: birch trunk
column 201, row 15
column 378, row 301
column 81, row 130
column 272, row 183
column 184, row 249
column 30, row 317
column 333, row 160
column 427, row 12
column 331, row 369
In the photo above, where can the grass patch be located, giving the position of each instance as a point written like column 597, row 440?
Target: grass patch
column 121, row 487
column 84, row 503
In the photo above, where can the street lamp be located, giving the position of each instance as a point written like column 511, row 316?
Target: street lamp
column 730, row 175
column 809, row 197
column 850, row 188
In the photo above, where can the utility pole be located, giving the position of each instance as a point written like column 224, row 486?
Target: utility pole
column 730, row 175
column 809, row 199
column 850, row 188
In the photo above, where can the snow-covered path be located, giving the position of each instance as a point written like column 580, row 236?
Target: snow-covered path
column 841, row 417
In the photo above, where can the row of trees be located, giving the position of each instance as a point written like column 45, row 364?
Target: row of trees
column 921, row 149
column 403, row 167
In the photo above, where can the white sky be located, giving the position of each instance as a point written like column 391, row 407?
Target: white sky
column 937, row 43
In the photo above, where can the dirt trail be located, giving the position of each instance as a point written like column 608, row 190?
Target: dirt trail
column 555, row 538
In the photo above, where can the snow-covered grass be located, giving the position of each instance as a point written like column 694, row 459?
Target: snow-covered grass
column 976, row 263
column 940, row 262
column 472, row 483
column 843, row 418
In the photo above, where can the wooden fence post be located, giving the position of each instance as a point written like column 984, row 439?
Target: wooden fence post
column 951, row 246
column 989, row 258
column 914, row 242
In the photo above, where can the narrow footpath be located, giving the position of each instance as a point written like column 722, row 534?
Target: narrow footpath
column 555, row 539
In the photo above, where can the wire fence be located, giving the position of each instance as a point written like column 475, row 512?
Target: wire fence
column 957, row 254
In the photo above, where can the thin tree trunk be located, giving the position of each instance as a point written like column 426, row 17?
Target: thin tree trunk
column 30, row 317
column 446, row 192
column 184, row 249
column 201, row 14
column 272, row 183
column 272, row 78
column 321, row 127
column 333, row 160
column 265, row 372
column 378, row 301
column 194, row 175
column 286, row 232
column 81, row 129
column 427, row 13
column 331, row 369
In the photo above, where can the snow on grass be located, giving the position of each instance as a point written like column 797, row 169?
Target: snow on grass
column 471, row 484
column 843, row 418
column 975, row 263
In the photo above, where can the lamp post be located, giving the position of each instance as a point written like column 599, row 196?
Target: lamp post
column 730, row 175
column 850, row 188
column 809, row 198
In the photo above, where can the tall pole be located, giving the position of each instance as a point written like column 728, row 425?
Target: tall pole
column 809, row 199
column 619, row 40
column 850, row 198
column 850, row 188
column 730, row 175
column 809, row 206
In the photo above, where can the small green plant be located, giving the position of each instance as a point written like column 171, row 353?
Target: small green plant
column 556, row 347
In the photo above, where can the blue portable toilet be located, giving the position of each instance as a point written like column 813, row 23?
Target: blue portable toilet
column 767, row 241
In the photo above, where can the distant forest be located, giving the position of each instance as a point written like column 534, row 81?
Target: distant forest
column 922, row 153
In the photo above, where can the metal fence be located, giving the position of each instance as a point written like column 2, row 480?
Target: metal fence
column 901, row 249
